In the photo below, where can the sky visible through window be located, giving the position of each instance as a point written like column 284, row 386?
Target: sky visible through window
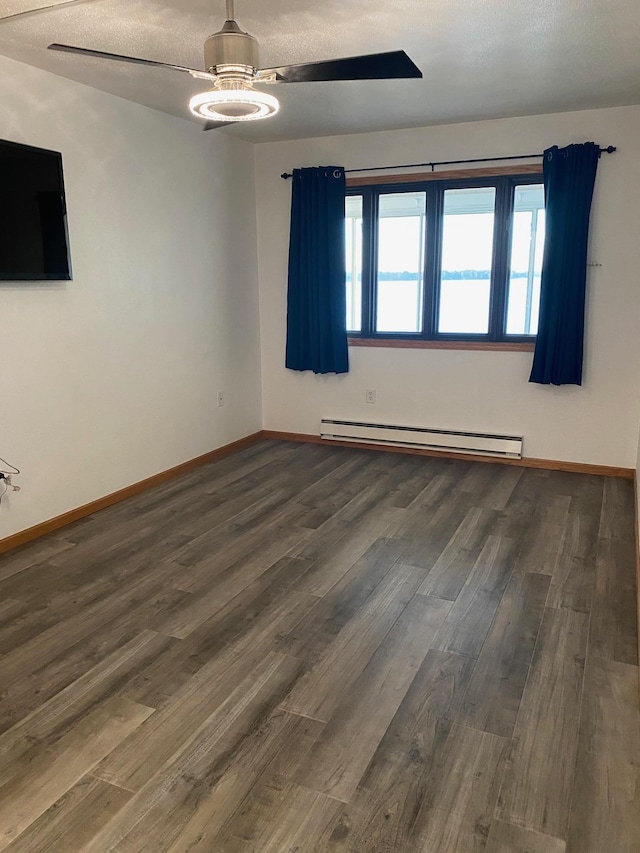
column 466, row 252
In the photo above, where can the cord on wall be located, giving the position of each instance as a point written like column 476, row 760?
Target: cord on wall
column 6, row 476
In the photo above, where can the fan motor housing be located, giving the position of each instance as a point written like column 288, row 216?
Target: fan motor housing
column 230, row 47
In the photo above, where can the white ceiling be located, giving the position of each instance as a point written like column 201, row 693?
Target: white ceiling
column 480, row 58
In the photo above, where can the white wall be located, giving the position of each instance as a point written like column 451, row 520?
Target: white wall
column 597, row 423
column 638, row 494
column 112, row 377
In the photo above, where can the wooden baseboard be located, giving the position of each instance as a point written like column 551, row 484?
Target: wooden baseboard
column 38, row 530
column 525, row 462
column 636, row 521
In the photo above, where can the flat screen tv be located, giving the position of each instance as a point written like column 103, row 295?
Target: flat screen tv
column 34, row 243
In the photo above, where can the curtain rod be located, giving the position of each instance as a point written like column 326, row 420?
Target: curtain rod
column 608, row 150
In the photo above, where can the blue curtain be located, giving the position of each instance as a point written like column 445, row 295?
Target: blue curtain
column 316, row 295
column 569, row 178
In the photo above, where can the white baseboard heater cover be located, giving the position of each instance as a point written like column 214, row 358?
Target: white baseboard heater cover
column 483, row 444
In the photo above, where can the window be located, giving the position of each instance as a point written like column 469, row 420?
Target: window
column 525, row 264
column 466, row 260
column 354, row 262
column 445, row 259
column 400, row 267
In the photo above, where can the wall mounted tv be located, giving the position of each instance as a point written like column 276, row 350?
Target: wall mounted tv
column 34, row 242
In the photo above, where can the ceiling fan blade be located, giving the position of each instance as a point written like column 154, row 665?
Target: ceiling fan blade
column 212, row 125
column 47, row 8
column 83, row 51
column 373, row 66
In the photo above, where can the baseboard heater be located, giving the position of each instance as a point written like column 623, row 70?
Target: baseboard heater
column 446, row 440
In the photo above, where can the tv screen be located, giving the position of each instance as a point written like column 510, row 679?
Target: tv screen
column 34, row 242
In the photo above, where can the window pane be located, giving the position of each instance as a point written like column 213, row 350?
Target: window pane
column 467, row 257
column 527, row 244
column 353, row 261
column 401, row 218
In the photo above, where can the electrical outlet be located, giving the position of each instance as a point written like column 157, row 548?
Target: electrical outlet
column 370, row 396
column 220, row 398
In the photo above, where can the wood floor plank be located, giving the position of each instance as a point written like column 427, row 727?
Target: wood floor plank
column 51, row 662
column 252, row 465
column 443, row 487
column 138, row 535
column 540, row 532
column 56, row 716
column 605, row 807
column 214, row 531
column 502, row 487
column 434, row 697
column 217, row 548
column 347, row 534
column 319, row 692
column 255, row 513
column 70, row 823
column 540, row 485
column 327, row 497
column 93, row 567
column 309, row 638
column 538, row 784
column 506, row 838
column 404, row 772
column 450, row 571
column 268, row 759
column 574, row 575
column 492, row 488
column 267, row 628
column 300, row 825
column 286, row 571
column 157, row 683
column 461, row 809
column 328, row 568
column 260, row 612
column 10, row 610
column 79, row 625
column 617, row 518
column 428, row 530
column 144, row 753
column 419, row 473
column 471, row 616
column 222, row 590
column 614, row 626
column 493, row 698
column 392, row 604
column 34, row 619
column 156, row 814
column 59, row 595
column 270, row 775
column 277, row 505
column 173, row 668
column 33, row 554
column 252, row 554
column 51, row 774
column 334, row 766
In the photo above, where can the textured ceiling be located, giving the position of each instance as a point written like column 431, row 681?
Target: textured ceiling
column 480, row 58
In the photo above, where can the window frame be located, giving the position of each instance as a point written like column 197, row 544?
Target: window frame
column 435, row 187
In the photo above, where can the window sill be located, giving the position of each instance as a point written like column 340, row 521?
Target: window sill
column 489, row 346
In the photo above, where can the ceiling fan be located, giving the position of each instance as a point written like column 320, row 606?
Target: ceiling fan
column 231, row 66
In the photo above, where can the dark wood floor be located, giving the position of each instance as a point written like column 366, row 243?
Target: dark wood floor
column 305, row 648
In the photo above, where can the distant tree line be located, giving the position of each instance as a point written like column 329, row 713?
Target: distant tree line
column 459, row 275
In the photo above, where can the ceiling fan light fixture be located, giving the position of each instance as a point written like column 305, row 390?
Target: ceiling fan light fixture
column 246, row 104
column 231, row 63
